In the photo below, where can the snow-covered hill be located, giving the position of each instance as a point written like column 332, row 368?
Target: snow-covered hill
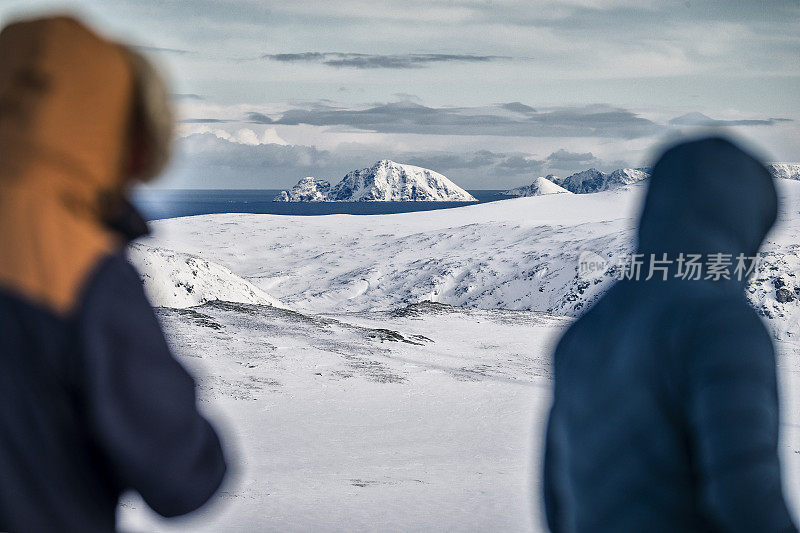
column 308, row 189
column 789, row 171
column 593, row 180
column 180, row 280
column 516, row 254
column 385, row 181
column 539, row 187
column 359, row 406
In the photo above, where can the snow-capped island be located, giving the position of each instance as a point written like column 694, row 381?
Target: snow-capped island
column 385, row 181
column 308, row 189
column 539, row 187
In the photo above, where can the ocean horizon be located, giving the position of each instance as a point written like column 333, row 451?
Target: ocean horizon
column 157, row 204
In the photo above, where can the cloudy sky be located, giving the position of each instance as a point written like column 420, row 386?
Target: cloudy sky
column 492, row 93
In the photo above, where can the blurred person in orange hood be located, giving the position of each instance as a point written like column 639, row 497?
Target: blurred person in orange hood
column 92, row 403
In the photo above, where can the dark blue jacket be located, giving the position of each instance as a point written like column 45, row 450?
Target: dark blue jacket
column 665, row 409
column 92, row 404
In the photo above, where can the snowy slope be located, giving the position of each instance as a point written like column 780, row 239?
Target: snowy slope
column 419, row 419
column 498, row 254
column 424, row 418
column 308, row 189
column 387, row 181
column 789, row 171
column 180, row 280
column 539, row 187
column 374, row 408
column 775, row 290
column 515, row 254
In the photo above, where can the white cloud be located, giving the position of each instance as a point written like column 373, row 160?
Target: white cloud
column 246, row 136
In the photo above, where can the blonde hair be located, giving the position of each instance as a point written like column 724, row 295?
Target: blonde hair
column 153, row 121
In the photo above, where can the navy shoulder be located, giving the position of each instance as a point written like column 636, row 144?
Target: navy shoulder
column 112, row 275
column 140, row 399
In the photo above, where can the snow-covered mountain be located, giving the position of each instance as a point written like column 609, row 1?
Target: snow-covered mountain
column 583, row 182
column 308, row 189
column 593, row 180
column 455, row 311
column 539, row 187
column 788, row 171
column 626, row 176
column 385, row 181
column 180, row 280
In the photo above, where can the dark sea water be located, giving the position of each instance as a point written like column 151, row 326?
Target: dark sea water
column 157, row 204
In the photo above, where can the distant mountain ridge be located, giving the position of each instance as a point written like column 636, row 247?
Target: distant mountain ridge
column 584, row 182
column 593, row 180
column 385, row 181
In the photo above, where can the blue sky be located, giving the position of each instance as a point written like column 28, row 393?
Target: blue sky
column 492, row 93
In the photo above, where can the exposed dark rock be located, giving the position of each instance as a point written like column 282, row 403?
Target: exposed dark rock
column 784, row 295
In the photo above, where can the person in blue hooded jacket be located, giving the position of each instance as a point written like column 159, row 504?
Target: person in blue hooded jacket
column 665, row 407
column 92, row 403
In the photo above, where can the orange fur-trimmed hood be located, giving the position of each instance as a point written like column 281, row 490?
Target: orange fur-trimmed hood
column 66, row 98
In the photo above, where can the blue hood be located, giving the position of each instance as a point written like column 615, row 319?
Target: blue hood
column 707, row 196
